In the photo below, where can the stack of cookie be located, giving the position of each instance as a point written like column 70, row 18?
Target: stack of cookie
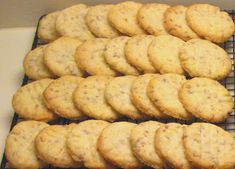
column 99, row 144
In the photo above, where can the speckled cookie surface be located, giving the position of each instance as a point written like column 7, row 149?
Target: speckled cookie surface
column 97, row 21
column 59, row 57
column 209, row 146
column 28, row 101
column 123, row 17
column 115, row 56
column 89, row 98
column 140, row 98
column 50, row 144
column 143, row 143
column 202, row 58
column 164, row 54
column 34, row 66
column 47, row 27
column 151, row 18
column 82, row 144
column 59, row 97
column 90, row 57
column 163, row 91
column 136, row 52
column 114, row 145
column 71, row 22
column 176, row 24
column 20, row 150
column 118, row 95
column 209, row 22
column 206, row 99
column 169, row 142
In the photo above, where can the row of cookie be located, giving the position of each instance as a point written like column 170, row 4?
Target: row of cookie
column 137, row 97
column 99, row 144
column 132, row 18
column 128, row 55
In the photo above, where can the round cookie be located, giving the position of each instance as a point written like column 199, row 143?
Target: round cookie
column 115, row 56
column 34, row 66
column 169, row 145
column 176, row 24
column 143, row 141
column 47, row 29
column 123, row 17
column 140, row 98
column 136, row 52
column 209, row 22
column 114, row 145
column 118, row 95
column 202, row 58
column 97, row 21
column 82, row 143
column 89, row 98
column 164, row 54
column 206, row 99
column 90, row 57
column 59, row 97
column 163, row 91
column 151, row 18
column 20, row 150
column 59, row 57
column 28, row 101
column 71, row 22
column 209, row 146
column 50, row 144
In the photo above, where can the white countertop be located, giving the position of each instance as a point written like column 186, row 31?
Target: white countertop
column 14, row 44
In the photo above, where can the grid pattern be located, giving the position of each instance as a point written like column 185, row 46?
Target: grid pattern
column 229, row 83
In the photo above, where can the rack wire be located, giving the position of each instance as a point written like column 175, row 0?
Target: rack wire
column 228, row 82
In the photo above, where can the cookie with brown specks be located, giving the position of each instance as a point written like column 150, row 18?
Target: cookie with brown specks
column 114, row 145
column 206, row 99
column 210, row 22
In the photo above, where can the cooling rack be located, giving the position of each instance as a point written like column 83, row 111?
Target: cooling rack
column 228, row 82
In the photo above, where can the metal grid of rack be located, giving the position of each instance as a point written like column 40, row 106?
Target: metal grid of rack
column 228, row 82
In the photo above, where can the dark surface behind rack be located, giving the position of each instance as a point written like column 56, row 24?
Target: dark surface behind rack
column 229, row 83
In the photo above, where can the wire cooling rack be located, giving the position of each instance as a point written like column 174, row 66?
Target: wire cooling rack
column 229, row 83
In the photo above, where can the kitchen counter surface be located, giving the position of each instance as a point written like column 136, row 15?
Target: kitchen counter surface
column 14, row 44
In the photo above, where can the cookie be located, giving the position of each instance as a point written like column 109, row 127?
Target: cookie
column 59, row 57
column 123, row 17
column 164, row 54
column 82, row 143
column 89, row 98
column 143, row 141
column 151, row 18
column 140, row 98
column 50, row 144
column 202, row 58
column 176, row 24
column 169, row 142
column 136, row 52
column 209, row 146
column 71, row 22
column 114, row 145
column 90, row 57
column 20, row 150
column 163, row 91
column 115, row 56
column 34, row 66
column 47, row 29
column 59, row 97
column 97, row 21
column 206, row 99
column 209, row 22
column 117, row 94
column 28, row 101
